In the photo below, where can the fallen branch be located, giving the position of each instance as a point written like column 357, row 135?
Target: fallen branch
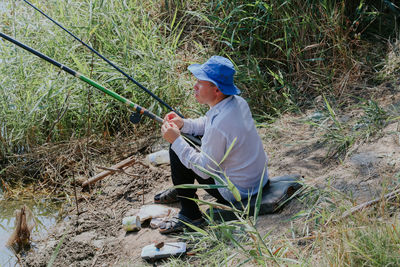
column 364, row 205
column 118, row 170
column 119, row 166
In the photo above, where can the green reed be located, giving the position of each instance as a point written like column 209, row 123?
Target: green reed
column 36, row 98
column 286, row 53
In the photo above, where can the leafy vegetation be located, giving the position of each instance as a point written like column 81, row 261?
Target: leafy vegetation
column 341, row 133
column 286, row 52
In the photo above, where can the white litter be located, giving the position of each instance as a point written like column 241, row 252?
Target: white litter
column 159, row 157
column 147, row 212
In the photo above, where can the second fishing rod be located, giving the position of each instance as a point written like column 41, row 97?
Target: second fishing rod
column 82, row 77
column 137, row 118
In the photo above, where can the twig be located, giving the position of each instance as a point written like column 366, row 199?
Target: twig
column 127, row 162
column 76, row 198
column 109, row 169
column 19, row 260
column 5, row 186
column 88, row 129
column 97, row 256
column 364, row 205
column 118, row 170
column 151, row 167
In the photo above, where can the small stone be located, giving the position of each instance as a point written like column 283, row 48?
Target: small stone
column 159, row 245
column 85, row 237
column 98, row 243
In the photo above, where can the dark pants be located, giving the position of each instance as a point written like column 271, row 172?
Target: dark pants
column 182, row 175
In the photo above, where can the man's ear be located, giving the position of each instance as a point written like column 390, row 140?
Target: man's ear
column 220, row 95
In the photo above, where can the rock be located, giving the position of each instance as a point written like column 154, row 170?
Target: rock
column 365, row 162
column 316, row 116
column 85, row 237
column 98, row 243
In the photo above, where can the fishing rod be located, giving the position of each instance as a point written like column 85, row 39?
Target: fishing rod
column 137, row 108
column 135, row 119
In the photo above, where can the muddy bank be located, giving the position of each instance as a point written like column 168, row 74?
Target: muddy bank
column 95, row 237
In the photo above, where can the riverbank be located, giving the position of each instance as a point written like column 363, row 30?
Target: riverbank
column 320, row 77
column 295, row 144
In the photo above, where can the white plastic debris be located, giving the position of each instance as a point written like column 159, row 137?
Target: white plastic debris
column 156, row 222
column 147, row 212
column 159, row 157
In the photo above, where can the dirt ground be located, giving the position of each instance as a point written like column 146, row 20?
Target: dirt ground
column 96, row 237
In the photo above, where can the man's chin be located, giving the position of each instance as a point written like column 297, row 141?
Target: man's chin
column 198, row 100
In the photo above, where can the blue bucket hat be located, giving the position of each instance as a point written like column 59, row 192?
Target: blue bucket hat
column 218, row 70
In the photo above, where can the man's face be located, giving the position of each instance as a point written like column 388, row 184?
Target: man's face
column 205, row 92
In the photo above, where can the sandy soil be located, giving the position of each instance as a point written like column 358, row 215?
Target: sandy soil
column 96, row 236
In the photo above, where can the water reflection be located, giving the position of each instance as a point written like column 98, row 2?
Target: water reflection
column 45, row 212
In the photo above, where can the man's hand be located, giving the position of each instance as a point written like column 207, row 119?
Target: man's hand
column 175, row 119
column 170, row 131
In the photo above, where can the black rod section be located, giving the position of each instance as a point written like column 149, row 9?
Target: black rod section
column 42, row 56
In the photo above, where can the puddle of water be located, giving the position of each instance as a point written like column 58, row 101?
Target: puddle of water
column 46, row 214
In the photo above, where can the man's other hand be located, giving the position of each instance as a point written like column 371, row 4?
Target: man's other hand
column 175, row 119
column 170, row 131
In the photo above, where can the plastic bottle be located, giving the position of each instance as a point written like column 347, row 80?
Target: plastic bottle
column 159, row 157
column 131, row 223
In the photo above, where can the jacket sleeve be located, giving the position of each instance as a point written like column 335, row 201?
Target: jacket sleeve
column 194, row 126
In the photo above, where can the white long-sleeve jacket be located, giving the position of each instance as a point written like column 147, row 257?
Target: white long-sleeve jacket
column 229, row 119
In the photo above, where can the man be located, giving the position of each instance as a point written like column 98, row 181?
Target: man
column 229, row 118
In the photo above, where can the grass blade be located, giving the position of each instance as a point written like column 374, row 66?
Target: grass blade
column 259, row 196
column 55, row 253
column 228, row 151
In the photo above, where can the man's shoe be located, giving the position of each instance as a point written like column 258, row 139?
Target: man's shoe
column 167, row 196
column 176, row 225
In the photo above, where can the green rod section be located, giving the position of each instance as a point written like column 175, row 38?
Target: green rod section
column 114, row 95
column 120, row 98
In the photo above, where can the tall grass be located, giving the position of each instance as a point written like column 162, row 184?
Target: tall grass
column 374, row 244
column 286, row 53
column 36, row 97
